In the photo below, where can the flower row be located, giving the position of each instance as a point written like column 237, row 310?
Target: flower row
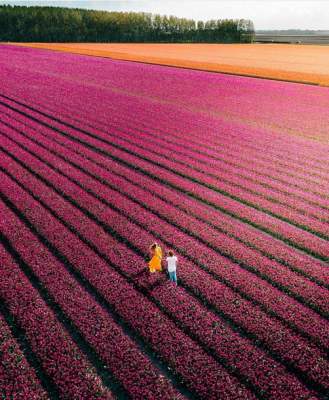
column 17, row 379
column 124, row 227
column 121, row 355
column 285, row 231
column 236, row 177
column 225, row 184
column 60, row 357
column 212, row 331
column 221, row 133
column 181, row 353
column 270, row 247
column 264, row 183
column 258, row 180
column 199, row 251
column 255, row 136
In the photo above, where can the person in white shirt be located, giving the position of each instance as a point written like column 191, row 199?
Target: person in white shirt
column 172, row 266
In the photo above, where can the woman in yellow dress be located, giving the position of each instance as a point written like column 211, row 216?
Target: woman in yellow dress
column 155, row 262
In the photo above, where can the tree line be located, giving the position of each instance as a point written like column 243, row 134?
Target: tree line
column 57, row 24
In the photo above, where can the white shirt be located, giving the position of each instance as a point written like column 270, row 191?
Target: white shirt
column 172, row 263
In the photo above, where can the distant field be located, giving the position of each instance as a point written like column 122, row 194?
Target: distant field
column 286, row 38
column 306, row 64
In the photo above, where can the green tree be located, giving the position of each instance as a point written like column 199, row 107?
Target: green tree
column 55, row 24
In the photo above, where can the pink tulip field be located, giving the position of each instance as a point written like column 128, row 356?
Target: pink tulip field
column 99, row 159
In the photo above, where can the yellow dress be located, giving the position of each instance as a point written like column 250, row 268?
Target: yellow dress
column 155, row 262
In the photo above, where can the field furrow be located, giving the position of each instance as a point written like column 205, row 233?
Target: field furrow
column 305, row 187
column 121, row 356
column 210, row 262
column 174, row 120
column 18, row 378
column 235, row 250
column 210, row 173
column 66, row 370
column 85, row 202
column 221, row 185
column 224, row 149
column 252, row 179
column 287, row 232
column 100, row 158
column 189, row 351
column 231, row 172
column 298, row 262
column 221, row 331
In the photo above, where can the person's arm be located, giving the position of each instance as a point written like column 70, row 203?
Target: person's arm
column 165, row 265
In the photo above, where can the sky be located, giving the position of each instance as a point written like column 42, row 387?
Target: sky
column 266, row 14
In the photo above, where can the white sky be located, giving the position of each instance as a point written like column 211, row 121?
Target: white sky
column 266, row 14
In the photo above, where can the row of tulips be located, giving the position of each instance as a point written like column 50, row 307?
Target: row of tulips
column 267, row 191
column 214, row 334
column 282, row 252
column 313, row 192
column 70, row 373
column 121, row 356
column 270, row 247
column 220, row 140
column 180, row 124
column 68, row 188
column 285, row 231
column 126, row 71
column 198, row 257
column 273, row 271
column 172, row 222
column 267, row 293
column 210, row 174
column 182, row 354
column 18, row 380
column 324, row 189
column 223, row 183
column 318, row 208
column 246, row 170
column 229, row 150
column 300, row 238
column 210, row 162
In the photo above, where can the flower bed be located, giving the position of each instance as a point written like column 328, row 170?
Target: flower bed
column 281, row 229
column 69, row 189
column 224, row 341
column 187, row 360
column 270, row 247
column 98, row 159
column 17, row 378
column 113, row 195
column 68, row 370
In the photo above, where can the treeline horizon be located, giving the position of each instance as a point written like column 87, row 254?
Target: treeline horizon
column 60, row 24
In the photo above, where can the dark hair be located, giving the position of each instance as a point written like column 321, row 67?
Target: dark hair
column 153, row 246
column 171, row 253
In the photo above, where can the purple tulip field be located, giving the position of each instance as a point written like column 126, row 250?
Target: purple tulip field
column 101, row 158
